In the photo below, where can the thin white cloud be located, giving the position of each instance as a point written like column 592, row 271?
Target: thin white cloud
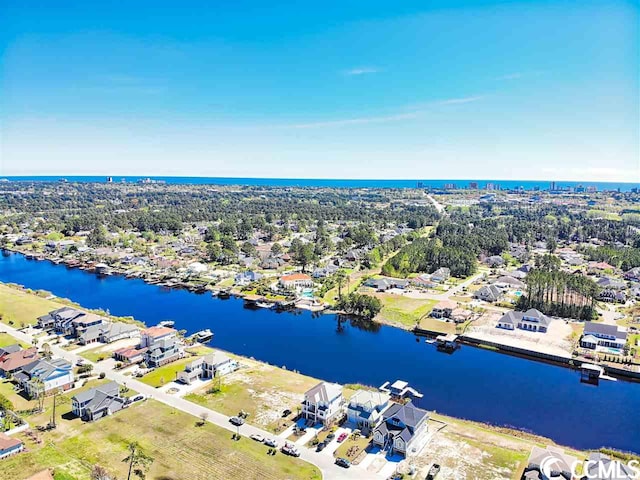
column 356, row 121
column 456, row 101
column 361, row 71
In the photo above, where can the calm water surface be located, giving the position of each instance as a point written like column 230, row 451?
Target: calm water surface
column 472, row 383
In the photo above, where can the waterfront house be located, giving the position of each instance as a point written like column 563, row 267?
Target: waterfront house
column 114, row 331
column 365, row 409
column 59, row 319
column 210, row 366
column 603, row 337
column 443, row 309
column 130, row 355
column 9, row 445
column 296, row 280
column 323, row 403
column 441, row 275
column 402, row 429
column 488, row 293
column 162, row 346
column 247, row 277
column 45, row 376
column 600, row 467
column 13, row 362
column 98, row 402
column 532, row 321
column 560, row 463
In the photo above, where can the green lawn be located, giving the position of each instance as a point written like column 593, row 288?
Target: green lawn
column 181, row 449
column 19, row 308
column 6, row 340
column 403, row 311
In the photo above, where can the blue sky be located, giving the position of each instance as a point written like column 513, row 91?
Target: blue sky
column 359, row 89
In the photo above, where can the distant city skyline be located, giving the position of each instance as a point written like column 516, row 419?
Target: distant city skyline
column 483, row 90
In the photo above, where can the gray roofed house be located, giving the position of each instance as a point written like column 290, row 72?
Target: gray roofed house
column 9, row 349
column 402, row 429
column 532, row 320
column 507, row 281
column 488, row 293
column 611, row 283
column 386, row 283
column 365, row 409
column 98, row 402
column 114, row 331
column 601, row 336
column 601, row 467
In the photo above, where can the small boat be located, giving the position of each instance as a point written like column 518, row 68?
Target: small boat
column 430, row 341
column 264, row 305
column 166, row 323
column 224, row 294
column 203, row 336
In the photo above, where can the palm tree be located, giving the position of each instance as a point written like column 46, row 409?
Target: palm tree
column 139, row 461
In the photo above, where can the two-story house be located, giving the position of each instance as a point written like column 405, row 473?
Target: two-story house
column 98, row 402
column 365, row 409
column 532, row 320
column 213, row 365
column 45, row 376
column 323, row 403
column 296, row 280
column 600, row 336
column 402, row 429
column 162, row 346
column 11, row 363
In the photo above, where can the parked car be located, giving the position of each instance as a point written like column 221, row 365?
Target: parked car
column 320, row 446
column 271, row 442
column 138, row 398
column 291, row 450
column 286, row 413
column 237, row 421
column 433, row 471
column 330, row 437
column 342, row 437
column 257, row 437
column 343, row 462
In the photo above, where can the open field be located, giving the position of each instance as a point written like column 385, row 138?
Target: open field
column 436, row 325
column 6, row 340
column 18, row 308
column 403, row 311
column 181, row 450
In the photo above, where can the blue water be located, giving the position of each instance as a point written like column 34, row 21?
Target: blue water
column 336, row 183
column 471, row 383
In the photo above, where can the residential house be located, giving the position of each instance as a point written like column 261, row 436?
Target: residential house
column 532, row 320
column 162, row 346
column 386, row 283
column 9, row 349
column 130, row 355
column 494, row 261
column 98, row 402
column 46, row 376
column 9, row 445
column 325, row 271
column 58, row 319
column 245, row 278
column 323, row 403
column 600, row 467
column 507, row 282
column 600, row 267
column 399, row 390
column 612, row 296
column 11, row 363
column 488, row 293
column 611, row 283
column 601, row 336
column 443, row 309
column 561, row 464
column 365, row 409
column 296, row 280
column 423, row 280
column 114, row 331
column 402, row 429
column 441, row 275
column 633, row 274
column 210, row 366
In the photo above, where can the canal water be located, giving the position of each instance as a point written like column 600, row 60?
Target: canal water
column 471, row 383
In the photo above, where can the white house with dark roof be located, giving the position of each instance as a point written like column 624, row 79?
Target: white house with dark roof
column 55, row 374
column 603, row 337
column 323, row 403
column 210, row 366
column 403, row 429
column 365, row 409
column 532, row 321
